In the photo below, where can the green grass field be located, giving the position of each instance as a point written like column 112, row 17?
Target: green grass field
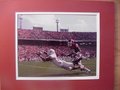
column 45, row 69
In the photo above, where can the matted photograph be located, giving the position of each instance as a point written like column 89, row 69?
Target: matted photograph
column 57, row 45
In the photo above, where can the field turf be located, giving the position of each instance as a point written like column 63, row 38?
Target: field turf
column 45, row 69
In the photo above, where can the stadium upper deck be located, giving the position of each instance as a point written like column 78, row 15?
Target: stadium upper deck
column 38, row 35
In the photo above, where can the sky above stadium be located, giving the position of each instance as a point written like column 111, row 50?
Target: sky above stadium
column 74, row 22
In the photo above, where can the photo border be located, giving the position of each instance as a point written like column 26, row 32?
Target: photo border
column 61, row 78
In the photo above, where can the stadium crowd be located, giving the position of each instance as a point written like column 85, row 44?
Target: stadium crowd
column 31, row 52
column 37, row 34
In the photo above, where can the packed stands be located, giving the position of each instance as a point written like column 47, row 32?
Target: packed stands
column 31, row 42
column 37, row 34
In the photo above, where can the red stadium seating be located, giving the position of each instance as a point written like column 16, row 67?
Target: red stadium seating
column 28, row 51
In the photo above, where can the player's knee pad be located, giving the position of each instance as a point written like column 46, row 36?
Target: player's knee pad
column 82, row 66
